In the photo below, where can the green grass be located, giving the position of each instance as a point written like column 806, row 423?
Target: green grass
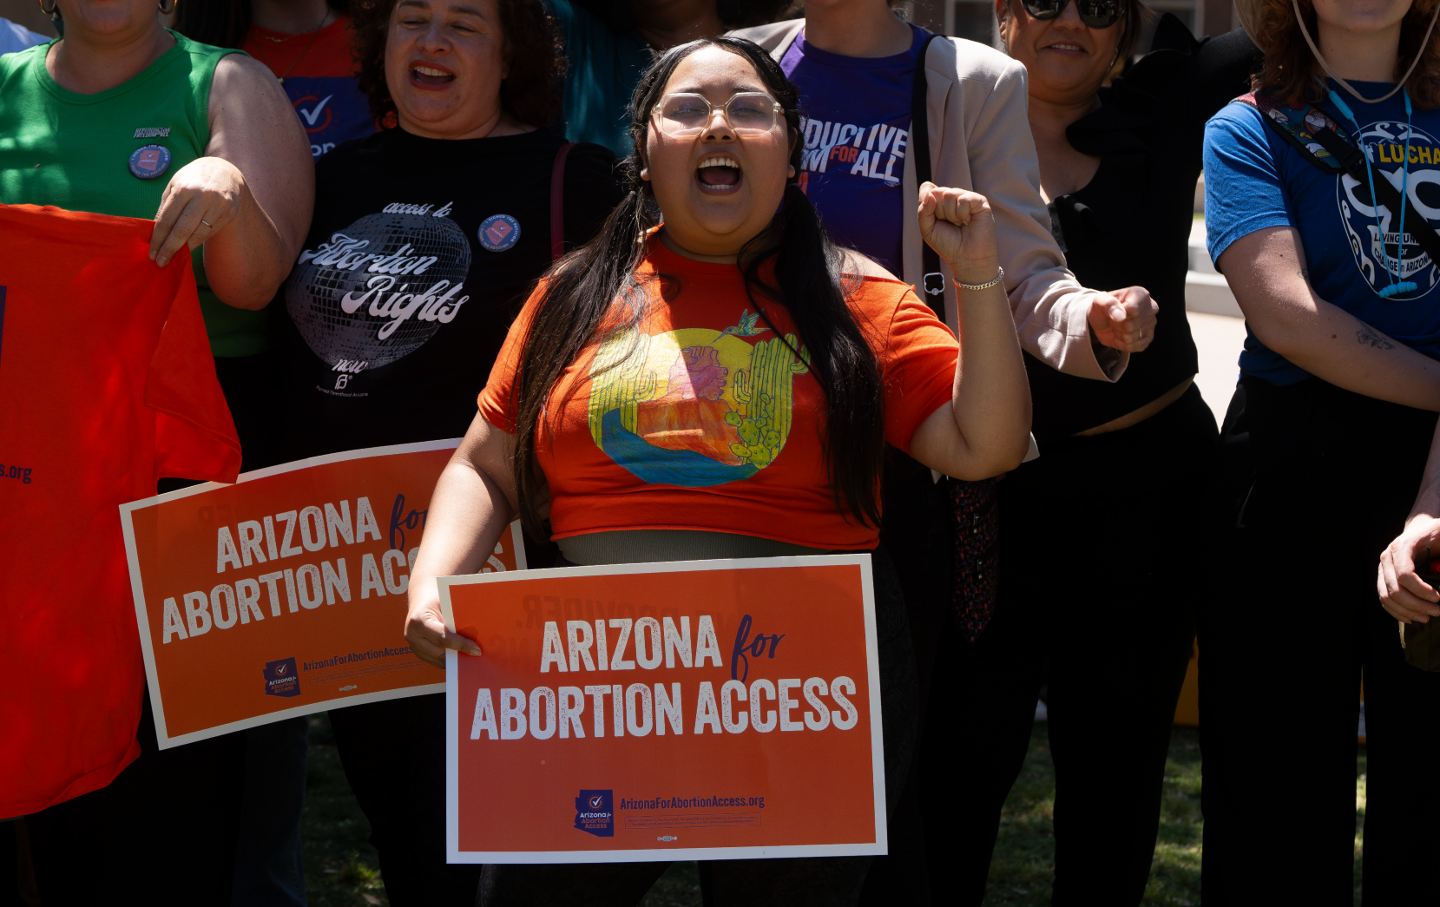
column 341, row 870
column 1025, row 851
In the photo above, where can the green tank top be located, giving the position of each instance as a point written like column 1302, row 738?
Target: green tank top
column 114, row 152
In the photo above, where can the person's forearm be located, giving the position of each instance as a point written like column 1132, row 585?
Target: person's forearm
column 467, row 514
column 248, row 261
column 1266, row 271
column 1051, row 312
column 991, row 397
column 1337, row 347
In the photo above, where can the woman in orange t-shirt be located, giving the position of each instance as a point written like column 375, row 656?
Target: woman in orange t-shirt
column 722, row 384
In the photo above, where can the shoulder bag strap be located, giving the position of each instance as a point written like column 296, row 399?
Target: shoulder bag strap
column 557, row 201
column 932, row 283
column 1313, row 133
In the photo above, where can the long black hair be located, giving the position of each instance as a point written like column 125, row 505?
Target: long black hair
column 582, row 289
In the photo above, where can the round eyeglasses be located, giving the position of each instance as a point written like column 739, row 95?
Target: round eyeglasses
column 1094, row 13
column 684, row 113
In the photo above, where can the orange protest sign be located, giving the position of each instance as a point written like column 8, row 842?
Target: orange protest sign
column 692, row 710
column 284, row 594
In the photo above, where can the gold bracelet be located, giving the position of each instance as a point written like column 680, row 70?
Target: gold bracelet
column 992, row 282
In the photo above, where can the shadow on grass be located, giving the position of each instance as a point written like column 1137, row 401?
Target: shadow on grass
column 1020, row 874
column 1025, row 851
column 341, row 868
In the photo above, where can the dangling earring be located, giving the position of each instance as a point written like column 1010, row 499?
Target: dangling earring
column 167, row 7
column 49, row 10
column 639, row 213
column 644, row 175
column 643, row 204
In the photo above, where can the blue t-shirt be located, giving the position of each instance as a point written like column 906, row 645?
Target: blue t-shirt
column 856, row 127
column 1254, row 179
column 603, row 68
column 15, row 37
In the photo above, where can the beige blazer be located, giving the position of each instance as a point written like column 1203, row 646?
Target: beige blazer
column 980, row 140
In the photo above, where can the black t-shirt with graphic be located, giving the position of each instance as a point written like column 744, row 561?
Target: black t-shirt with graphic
column 419, row 257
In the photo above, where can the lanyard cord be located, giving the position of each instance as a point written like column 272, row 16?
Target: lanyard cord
column 1397, row 286
column 1315, row 49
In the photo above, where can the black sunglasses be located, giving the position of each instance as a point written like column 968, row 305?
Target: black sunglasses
column 1094, row 13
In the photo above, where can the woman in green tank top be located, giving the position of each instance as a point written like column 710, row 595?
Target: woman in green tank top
column 124, row 117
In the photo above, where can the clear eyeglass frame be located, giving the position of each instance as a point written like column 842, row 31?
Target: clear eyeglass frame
column 684, row 113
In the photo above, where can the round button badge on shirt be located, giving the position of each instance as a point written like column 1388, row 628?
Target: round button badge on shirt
column 149, row 161
column 499, row 232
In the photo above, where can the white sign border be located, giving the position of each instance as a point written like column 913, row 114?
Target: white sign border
column 142, row 621
column 878, row 847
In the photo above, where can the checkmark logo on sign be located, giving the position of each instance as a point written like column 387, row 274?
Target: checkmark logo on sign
column 595, row 813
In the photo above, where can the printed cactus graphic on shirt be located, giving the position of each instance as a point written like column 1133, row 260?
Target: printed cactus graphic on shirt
column 620, row 379
column 765, row 394
column 695, row 406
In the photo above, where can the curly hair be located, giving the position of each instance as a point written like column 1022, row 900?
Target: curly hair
column 1292, row 74
column 530, row 92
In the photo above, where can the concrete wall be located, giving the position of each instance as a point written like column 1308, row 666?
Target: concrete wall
column 928, row 14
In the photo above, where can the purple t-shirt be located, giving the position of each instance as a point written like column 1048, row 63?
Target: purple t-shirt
column 856, row 127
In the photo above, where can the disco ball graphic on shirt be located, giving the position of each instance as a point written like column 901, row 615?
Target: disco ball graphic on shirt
column 379, row 289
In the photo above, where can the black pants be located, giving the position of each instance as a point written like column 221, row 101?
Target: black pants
column 393, row 754
column 1103, row 560
column 163, row 830
column 1283, row 655
column 804, row 882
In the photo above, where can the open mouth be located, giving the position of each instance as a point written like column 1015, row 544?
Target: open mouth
column 1065, row 48
column 718, row 173
column 430, row 76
